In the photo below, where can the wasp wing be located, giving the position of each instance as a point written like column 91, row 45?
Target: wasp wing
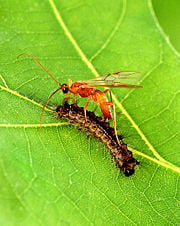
column 127, row 86
column 117, row 79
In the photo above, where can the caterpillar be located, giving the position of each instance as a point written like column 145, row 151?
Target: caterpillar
column 101, row 130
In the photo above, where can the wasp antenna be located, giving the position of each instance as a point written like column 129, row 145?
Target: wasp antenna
column 40, row 65
column 46, row 104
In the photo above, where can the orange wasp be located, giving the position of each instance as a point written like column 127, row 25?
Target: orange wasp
column 86, row 89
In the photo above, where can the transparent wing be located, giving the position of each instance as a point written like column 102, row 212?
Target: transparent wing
column 116, row 79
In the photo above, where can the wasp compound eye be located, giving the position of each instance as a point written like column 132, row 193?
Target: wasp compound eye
column 65, row 88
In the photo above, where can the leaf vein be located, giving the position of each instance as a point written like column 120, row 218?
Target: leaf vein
column 117, row 25
column 33, row 125
column 3, row 80
column 23, row 97
column 166, row 38
column 30, row 154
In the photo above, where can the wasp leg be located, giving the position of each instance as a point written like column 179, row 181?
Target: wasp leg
column 114, row 114
column 85, row 107
column 69, row 98
column 110, row 94
column 70, row 84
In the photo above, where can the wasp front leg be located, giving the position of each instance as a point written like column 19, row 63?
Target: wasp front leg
column 69, row 98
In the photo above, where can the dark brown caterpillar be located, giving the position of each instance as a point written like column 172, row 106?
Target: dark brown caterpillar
column 101, row 130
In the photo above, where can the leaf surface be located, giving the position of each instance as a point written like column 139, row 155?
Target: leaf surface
column 57, row 176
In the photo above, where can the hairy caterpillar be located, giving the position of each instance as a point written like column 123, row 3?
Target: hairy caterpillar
column 101, row 130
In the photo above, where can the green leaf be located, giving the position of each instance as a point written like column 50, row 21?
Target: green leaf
column 168, row 15
column 57, row 176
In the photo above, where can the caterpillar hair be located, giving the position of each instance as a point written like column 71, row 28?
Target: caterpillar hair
column 101, row 130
